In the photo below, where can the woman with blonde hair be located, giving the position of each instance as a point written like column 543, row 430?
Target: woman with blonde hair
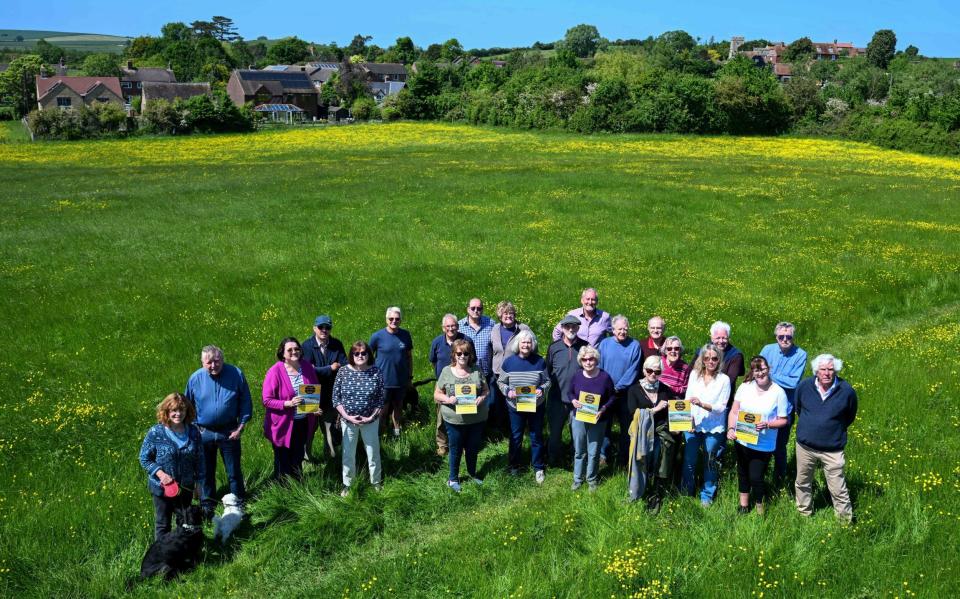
column 708, row 392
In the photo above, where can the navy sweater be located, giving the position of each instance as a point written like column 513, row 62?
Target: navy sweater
column 822, row 423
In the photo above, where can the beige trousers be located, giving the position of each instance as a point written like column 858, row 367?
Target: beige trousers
column 833, row 462
column 441, row 435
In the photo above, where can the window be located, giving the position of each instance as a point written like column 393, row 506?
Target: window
column 126, row 84
column 63, row 102
column 139, row 84
column 103, row 99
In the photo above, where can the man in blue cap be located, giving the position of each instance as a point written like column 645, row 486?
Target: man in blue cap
column 326, row 353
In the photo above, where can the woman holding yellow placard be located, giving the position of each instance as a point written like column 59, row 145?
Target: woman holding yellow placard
column 649, row 393
column 523, row 381
column 591, row 394
column 286, row 427
column 461, row 392
column 759, row 406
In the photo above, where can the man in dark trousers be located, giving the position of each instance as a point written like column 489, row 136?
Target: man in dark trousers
column 326, row 353
column 561, row 366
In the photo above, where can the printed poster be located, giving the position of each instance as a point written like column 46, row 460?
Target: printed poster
column 526, row 398
column 466, row 399
column 680, row 416
column 589, row 407
column 310, row 394
column 747, row 427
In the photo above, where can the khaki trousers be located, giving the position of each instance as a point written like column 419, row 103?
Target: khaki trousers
column 833, row 462
column 441, row 434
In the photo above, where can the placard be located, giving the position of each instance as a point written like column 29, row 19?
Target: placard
column 680, row 417
column 526, row 396
column 747, row 427
column 589, row 407
column 466, row 399
column 310, row 396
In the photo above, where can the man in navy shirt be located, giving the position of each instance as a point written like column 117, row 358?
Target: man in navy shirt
column 440, row 357
column 327, row 354
column 826, row 407
column 393, row 347
column 221, row 397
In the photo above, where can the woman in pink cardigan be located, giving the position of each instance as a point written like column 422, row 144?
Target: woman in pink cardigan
column 282, row 424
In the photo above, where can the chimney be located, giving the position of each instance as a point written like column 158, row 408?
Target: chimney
column 43, row 71
column 303, row 69
column 130, row 65
column 62, row 64
column 252, row 67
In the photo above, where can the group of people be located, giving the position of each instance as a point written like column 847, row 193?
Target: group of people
column 593, row 378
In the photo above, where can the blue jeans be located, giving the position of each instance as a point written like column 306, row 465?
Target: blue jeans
column 711, row 472
column 586, row 448
column 230, row 451
column 464, row 438
column 518, row 422
column 780, row 451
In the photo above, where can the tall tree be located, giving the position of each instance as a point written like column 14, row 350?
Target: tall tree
column 224, row 29
column 49, row 53
column 205, row 28
column 358, row 45
column 403, row 51
column 799, row 50
column 289, row 50
column 582, row 40
column 175, row 32
column 882, row 47
column 17, row 83
column 451, row 49
column 100, row 65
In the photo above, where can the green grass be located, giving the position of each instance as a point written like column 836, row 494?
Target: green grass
column 120, row 259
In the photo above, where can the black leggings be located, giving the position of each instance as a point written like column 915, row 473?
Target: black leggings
column 751, row 469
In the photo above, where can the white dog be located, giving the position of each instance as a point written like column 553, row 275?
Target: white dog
column 226, row 523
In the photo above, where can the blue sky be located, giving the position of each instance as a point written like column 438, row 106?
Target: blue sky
column 930, row 25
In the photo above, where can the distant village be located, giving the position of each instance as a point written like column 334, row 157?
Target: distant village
column 291, row 93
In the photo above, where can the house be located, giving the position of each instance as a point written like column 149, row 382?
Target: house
column 379, row 90
column 783, row 71
column 318, row 72
column 73, row 92
column 273, row 87
column 848, row 49
column 132, row 79
column 170, row 92
column 382, row 71
column 336, row 114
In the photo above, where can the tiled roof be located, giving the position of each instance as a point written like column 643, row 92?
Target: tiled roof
column 81, row 85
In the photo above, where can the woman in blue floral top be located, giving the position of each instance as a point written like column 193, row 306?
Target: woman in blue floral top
column 172, row 453
column 358, row 397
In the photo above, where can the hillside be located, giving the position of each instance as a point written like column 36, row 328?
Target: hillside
column 88, row 42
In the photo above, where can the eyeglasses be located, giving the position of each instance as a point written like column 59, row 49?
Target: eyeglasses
column 648, row 371
column 589, row 359
column 359, row 354
column 393, row 319
column 711, row 359
column 677, row 348
column 462, row 353
column 784, row 337
column 761, row 370
column 324, row 327
column 293, row 350
column 475, row 308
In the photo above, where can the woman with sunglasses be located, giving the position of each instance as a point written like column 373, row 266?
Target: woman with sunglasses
column 760, row 396
column 283, row 424
column 708, row 392
column 393, row 348
column 649, row 393
column 464, row 430
column 676, row 372
column 587, row 437
column 358, row 395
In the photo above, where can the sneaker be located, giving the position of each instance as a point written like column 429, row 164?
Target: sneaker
column 603, row 461
column 442, row 452
column 743, row 510
column 455, row 485
column 378, row 487
column 344, row 491
column 514, row 472
column 705, row 503
column 654, row 503
column 396, row 433
column 476, row 480
column 576, row 486
column 593, row 487
column 540, row 476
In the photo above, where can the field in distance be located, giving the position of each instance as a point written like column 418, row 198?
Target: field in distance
column 91, row 42
column 120, row 259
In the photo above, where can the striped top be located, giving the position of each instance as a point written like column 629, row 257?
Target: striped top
column 518, row 372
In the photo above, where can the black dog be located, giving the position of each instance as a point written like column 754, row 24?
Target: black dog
column 178, row 550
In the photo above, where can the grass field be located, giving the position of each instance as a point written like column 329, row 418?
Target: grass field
column 89, row 42
column 120, row 259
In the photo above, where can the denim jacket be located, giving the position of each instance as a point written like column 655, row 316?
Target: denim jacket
column 159, row 452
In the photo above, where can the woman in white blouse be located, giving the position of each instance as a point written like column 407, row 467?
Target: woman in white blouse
column 708, row 392
column 766, row 401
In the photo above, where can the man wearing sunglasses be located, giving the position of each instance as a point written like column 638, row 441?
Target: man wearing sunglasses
column 787, row 362
column 326, row 353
